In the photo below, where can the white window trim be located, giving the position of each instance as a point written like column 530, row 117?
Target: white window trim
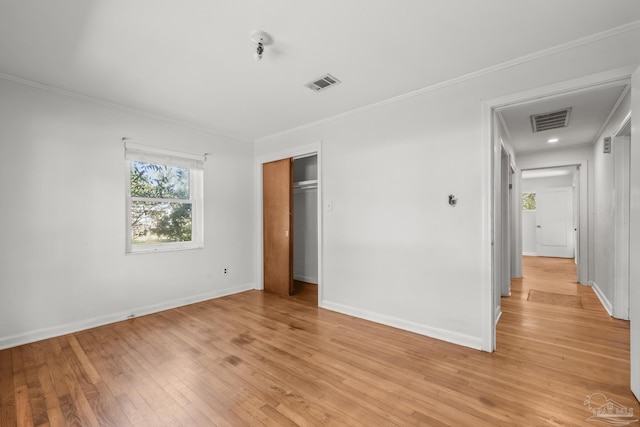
column 195, row 164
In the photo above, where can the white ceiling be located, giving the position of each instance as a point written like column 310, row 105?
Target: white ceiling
column 193, row 61
column 590, row 110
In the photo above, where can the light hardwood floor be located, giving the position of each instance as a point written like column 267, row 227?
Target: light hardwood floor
column 261, row 359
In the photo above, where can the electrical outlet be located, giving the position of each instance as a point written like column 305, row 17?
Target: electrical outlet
column 225, row 271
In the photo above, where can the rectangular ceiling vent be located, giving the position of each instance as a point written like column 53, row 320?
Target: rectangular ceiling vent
column 553, row 120
column 322, row 83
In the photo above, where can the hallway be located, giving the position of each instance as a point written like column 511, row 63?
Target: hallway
column 555, row 330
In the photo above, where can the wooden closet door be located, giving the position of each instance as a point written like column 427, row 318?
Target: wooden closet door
column 277, row 200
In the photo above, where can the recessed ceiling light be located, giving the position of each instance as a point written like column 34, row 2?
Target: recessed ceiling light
column 552, row 140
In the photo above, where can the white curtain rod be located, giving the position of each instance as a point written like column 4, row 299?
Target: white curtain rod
column 129, row 145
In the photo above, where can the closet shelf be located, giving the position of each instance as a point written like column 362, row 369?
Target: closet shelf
column 304, row 185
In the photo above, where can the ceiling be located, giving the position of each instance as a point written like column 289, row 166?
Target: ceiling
column 193, row 61
column 590, row 110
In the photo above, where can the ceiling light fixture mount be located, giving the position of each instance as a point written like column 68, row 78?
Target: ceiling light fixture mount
column 553, row 140
column 260, row 39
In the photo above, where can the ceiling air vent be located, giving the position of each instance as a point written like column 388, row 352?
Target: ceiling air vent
column 322, row 83
column 553, row 120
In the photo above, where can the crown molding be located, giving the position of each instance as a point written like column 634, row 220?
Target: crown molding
column 633, row 26
column 613, row 32
column 115, row 105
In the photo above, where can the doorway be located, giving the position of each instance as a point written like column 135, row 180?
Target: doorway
column 549, row 212
column 305, row 226
column 580, row 93
column 621, row 206
column 289, row 249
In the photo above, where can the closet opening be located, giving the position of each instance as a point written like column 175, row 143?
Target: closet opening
column 305, row 227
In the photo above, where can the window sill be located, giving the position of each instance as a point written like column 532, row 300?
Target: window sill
column 151, row 249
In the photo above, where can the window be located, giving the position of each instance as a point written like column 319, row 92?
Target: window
column 164, row 200
column 528, row 201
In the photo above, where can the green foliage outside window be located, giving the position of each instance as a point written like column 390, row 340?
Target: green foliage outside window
column 161, row 211
column 528, row 201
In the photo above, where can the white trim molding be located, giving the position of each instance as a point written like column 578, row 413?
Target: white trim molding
column 603, row 299
column 122, row 107
column 621, row 209
column 431, row 332
column 69, row 328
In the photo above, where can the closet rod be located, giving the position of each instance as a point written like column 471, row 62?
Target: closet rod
column 303, row 185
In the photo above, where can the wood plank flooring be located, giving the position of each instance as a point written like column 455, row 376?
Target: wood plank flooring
column 261, row 359
column 306, row 292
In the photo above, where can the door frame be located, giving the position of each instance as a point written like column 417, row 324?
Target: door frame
column 490, row 169
column 634, row 240
column 581, row 195
column 505, row 170
column 306, row 150
column 621, row 207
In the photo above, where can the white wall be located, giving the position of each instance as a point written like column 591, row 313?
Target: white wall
column 533, row 185
column 394, row 251
column 383, row 246
column 63, row 265
column 603, row 218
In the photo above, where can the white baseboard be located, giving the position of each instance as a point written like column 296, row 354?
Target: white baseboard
column 498, row 315
column 437, row 333
column 68, row 328
column 603, row 299
column 529, row 253
column 307, row 279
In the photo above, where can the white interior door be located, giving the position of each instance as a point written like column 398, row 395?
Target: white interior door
column 634, row 237
column 554, row 222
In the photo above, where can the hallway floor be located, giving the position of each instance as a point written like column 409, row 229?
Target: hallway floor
column 572, row 351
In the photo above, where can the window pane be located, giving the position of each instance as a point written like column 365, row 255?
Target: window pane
column 159, row 181
column 153, row 222
column 528, row 201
